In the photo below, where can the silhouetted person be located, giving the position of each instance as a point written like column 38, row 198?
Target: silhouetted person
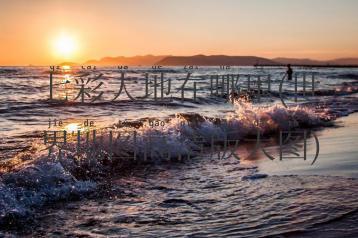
column 289, row 72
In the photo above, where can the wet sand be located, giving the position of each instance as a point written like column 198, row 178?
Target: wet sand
column 338, row 155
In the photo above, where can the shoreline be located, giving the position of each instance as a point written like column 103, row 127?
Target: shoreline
column 340, row 161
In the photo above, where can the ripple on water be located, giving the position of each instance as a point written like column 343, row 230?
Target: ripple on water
column 178, row 205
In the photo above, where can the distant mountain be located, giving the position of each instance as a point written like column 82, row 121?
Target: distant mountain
column 145, row 60
column 214, row 60
column 295, row 61
column 344, row 61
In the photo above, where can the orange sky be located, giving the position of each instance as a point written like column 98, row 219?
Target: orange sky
column 320, row 29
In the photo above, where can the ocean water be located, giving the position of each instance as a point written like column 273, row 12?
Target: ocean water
column 168, row 181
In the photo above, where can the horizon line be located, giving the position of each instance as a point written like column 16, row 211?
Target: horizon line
column 169, row 55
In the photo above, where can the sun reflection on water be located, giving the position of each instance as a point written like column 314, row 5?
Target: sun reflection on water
column 73, row 127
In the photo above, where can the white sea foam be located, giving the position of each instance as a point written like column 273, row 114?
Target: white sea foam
column 43, row 180
column 34, row 185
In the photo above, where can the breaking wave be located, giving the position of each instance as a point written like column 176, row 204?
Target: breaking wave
column 33, row 179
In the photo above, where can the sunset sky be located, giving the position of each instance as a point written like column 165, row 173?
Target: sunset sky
column 44, row 32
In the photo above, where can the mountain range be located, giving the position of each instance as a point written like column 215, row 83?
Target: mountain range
column 129, row 61
column 213, row 60
column 340, row 61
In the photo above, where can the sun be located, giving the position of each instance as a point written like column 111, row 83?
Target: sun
column 65, row 46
